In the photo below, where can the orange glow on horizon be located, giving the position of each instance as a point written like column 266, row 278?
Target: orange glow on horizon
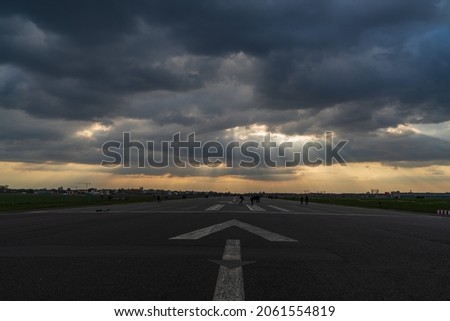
column 356, row 177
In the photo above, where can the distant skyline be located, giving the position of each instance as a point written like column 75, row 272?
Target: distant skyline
column 76, row 74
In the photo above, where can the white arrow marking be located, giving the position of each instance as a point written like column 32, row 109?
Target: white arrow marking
column 197, row 234
column 230, row 282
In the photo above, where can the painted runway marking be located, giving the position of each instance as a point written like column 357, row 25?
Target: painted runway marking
column 278, row 208
column 216, row 207
column 197, row 234
column 255, row 208
column 230, row 281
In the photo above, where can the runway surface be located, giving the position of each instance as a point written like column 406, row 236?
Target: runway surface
column 205, row 249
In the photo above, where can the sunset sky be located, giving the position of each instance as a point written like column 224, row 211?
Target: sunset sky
column 76, row 74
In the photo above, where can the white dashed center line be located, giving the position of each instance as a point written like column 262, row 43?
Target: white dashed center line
column 230, row 282
column 216, row 207
column 278, row 208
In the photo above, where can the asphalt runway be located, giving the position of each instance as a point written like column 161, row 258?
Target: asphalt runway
column 205, row 249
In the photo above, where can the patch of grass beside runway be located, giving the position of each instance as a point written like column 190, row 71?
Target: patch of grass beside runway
column 424, row 205
column 19, row 202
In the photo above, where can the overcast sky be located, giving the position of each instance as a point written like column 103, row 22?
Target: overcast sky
column 74, row 74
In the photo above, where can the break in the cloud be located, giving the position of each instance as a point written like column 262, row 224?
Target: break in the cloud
column 74, row 74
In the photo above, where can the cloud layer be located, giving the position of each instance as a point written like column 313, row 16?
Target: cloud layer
column 371, row 71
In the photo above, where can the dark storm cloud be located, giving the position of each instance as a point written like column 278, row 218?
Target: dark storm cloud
column 259, row 174
column 81, row 21
column 314, row 54
column 298, row 67
column 58, row 77
column 259, row 27
column 398, row 149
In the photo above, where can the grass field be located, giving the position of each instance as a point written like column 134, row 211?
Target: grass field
column 13, row 202
column 425, row 205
